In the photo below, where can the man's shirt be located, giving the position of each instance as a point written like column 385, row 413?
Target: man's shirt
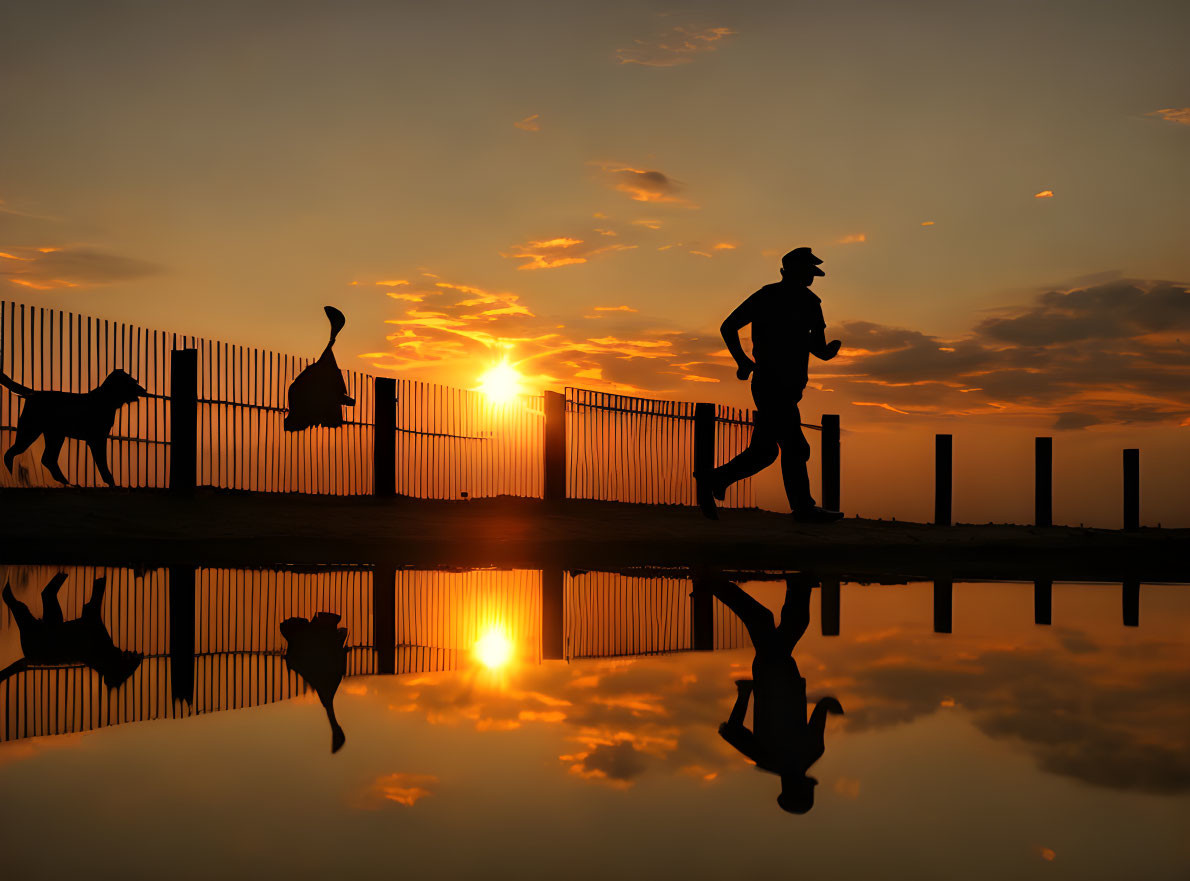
column 783, row 317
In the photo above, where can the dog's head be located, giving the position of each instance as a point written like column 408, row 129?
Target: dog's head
column 122, row 387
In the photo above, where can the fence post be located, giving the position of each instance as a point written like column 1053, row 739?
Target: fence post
column 830, row 462
column 1043, row 473
column 181, row 633
column 702, row 616
column 1043, row 602
column 1132, row 489
column 384, row 617
column 943, row 604
column 830, row 599
column 183, row 421
column 704, row 438
column 555, row 447
column 552, row 613
column 384, row 437
column 943, row 445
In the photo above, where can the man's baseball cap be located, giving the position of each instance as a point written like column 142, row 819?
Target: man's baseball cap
column 800, row 258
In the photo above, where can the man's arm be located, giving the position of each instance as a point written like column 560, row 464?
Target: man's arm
column 819, row 347
column 738, row 319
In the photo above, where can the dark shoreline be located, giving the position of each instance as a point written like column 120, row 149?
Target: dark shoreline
column 216, row 527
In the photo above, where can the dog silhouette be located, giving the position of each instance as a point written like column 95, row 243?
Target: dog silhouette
column 82, row 640
column 318, row 394
column 85, row 416
column 316, row 650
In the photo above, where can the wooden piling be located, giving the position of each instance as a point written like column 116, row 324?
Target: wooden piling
column 555, row 447
column 702, row 616
column 943, row 605
column 943, row 447
column 1043, row 473
column 1131, row 603
column 830, row 602
column 1043, row 602
column 831, row 467
column 1132, row 489
column 552, row 614
column 384, row 437
column 704, row 438
column 183, row 421
column 384, row 617
column 181, row 632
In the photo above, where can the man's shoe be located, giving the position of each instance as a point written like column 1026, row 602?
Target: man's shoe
column 705, row 496
column 817, row 515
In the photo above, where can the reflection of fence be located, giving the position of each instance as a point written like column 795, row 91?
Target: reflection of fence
column 444, row 443
column 211, row 637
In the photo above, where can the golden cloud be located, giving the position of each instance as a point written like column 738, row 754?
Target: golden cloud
column 393, row 789
column 529, row 123
column 643, row 185
column 1044, row 194
column 559, row 251
column 853, row 239
column 53, row 268
column 678, row 45
column 1173, row 114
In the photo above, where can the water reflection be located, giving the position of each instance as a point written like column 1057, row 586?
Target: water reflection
column 781, row 741
column 317, row 651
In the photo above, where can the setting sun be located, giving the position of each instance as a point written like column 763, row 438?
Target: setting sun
column 493, row 650
column 501, row 383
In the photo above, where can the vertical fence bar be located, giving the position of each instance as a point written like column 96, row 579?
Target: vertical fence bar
column 943, row 447
column 555, row 447
column 1132, row 489
column 552, row 614
column 830, row 596
column 384, row 437
column 831, row 467
column 183, row 421
column 1043, row 602
column 943, row 605
column 1043, row 478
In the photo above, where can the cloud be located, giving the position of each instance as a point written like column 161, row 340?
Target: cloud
column 393, row 789
column 853, row 239
column 560, row 251
column 52, row 268
column 1111, row 353
column 529, row 123
column 679, row 45
column 648, row 223
column 1173, row 114
column 1044, row 194
column 643, row 185
column 927, row 223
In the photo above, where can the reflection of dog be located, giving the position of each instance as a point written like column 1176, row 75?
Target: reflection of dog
column 82, row 640
column 318, row 394
column 86, row 416
column 316, row 650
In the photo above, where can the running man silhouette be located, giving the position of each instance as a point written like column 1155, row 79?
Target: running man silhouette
column 787, row 327
column 781, row 740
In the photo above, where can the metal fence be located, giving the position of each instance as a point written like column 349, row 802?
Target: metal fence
column 628, row 449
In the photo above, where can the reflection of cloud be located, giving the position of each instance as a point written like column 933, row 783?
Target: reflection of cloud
column 560, row 251
column 1044, row 194
column 678, row 45
column 643, row 185
column 393, row 789
column 44, row 269
column 1174, row 114
column 529, row 123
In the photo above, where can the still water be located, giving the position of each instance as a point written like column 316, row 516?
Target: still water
column 194, row 722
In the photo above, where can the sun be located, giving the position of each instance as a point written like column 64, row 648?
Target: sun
column 501, row 383
column 493, row 650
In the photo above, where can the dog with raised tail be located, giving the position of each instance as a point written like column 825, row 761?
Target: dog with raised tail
column 318, row 394
column 85, row 416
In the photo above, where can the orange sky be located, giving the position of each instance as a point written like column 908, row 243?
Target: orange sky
column 588, row 191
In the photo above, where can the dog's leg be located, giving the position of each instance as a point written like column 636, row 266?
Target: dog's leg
column 49, row 457
column 26, row 434
column 98, row 448
column 51, row 610
column 94, row 604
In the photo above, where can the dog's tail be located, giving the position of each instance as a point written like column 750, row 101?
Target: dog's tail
column 23, row 390
column 337, row 320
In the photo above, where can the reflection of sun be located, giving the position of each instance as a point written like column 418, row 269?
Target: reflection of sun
column 493, row 649
column 501, row 383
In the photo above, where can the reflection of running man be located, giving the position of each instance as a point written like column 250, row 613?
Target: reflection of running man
column 781, row 740
column 787, row 327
